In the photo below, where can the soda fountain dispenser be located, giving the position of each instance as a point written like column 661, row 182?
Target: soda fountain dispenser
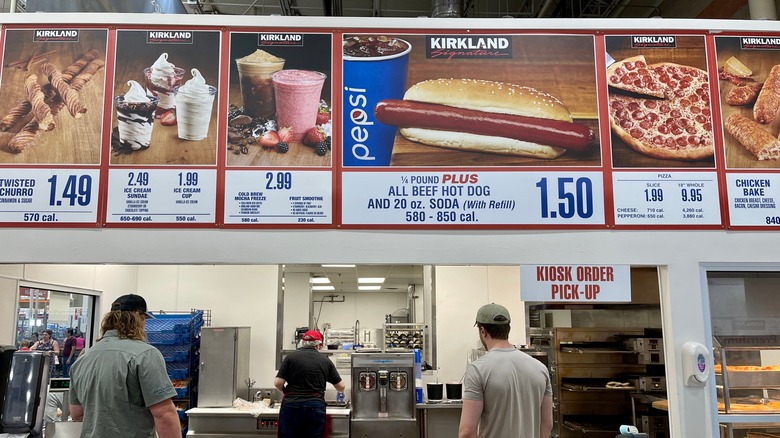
column 382, row 395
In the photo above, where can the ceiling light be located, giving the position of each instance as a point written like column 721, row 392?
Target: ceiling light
column 338, row 266
column 324, row 287
column 319, row 280
column 379, row 280
column 369, row 287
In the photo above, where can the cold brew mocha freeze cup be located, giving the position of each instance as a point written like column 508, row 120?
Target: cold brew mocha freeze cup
column 194, row 100
column 297, row 99
column 374, row 70
column 135, row 117
column 257, row 89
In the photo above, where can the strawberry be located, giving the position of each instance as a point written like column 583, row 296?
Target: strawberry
column 168, row 118
column 285, row 134
column 314, row 136
column 269, row 139
column 323, row 115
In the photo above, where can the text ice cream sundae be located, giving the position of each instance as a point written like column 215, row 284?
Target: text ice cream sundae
column 194, row 100
column 135, row 114
column 161, row 78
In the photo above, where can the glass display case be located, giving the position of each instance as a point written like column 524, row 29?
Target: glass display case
column 745, row 317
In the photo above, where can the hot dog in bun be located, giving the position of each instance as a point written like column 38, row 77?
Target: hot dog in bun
column 485, row 116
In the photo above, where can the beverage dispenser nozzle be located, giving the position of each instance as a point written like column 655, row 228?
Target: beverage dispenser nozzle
column 384, row 380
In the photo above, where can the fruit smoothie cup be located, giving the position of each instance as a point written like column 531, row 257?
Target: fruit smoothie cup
column 297, row 99
column 257, row 89
column 135, row 117
column 161, row 78
column 194, row 100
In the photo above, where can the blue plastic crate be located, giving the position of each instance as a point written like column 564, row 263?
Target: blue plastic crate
column 161, row 338
column 182, row 392
column 178, row 370
column 175, row 353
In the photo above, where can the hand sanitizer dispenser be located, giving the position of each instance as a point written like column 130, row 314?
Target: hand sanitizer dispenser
column 696, row 364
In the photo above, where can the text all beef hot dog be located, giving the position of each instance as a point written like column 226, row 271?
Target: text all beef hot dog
column 485, row 116
column 551, row 132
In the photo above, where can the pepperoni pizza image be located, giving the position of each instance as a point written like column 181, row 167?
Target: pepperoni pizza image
column 661, row 110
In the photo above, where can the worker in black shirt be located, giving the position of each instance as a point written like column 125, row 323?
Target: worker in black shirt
column 302, row 378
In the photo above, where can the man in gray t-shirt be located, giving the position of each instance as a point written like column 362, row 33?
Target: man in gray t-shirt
column 121, row 389
column 506, row 393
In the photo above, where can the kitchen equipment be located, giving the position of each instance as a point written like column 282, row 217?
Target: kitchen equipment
column 382, row 395
column 649, row 351
column 224, row 365
column 435, row 392
column 6, row 356
column 25, row 397
column 454, row 391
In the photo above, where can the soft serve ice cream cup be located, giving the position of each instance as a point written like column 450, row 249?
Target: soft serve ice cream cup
column 194, row 100
column 135, row 115
column 161, row 78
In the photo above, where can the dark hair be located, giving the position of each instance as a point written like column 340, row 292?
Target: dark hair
column 497, row 331
column 69, row 331
column 35, row 334
column 49, row 332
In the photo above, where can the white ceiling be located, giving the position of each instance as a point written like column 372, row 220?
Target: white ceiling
column 344, row 279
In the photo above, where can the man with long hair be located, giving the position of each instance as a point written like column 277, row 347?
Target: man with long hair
column 506, row 393
column 121, row 387
column 302, row 378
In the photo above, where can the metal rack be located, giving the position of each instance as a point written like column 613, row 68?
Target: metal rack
column 404, row 337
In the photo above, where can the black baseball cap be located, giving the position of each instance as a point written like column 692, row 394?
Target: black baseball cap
column 131, row 303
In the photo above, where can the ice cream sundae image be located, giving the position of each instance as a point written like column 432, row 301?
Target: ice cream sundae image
column 135, row 114
column 193, row 101
column 161, row 78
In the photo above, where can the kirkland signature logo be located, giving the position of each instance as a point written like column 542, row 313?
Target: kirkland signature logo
column 465, row 47
column 663, row 41
column 69, row 35
column 772, row 43
column 280, row 39
column 169, row 36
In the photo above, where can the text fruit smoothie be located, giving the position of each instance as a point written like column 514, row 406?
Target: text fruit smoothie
column 257, row 90
column 194, row 100
column 135, row 116
column 161, row 78
column 297, row 99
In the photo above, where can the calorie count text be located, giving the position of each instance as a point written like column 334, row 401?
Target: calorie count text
column 575, row 196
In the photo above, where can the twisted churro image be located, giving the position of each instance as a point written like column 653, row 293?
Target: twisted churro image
column 14, row 115
column 25, row 137
column 40, row 109
column 70, row 96
column 82, row 78
column 77, row 66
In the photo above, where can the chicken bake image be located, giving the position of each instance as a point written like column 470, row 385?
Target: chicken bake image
column 749, row 82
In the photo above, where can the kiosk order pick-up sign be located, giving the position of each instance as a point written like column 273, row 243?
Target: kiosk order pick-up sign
column 575, row 283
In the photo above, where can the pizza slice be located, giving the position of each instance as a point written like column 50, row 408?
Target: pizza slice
column 632, row 74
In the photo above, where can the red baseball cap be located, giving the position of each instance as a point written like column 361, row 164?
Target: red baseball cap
column 312, row 335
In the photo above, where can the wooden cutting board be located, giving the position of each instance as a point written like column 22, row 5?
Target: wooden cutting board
column 760, row 62
column 72, row 141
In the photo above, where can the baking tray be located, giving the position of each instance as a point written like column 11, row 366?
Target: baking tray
column 752, row 379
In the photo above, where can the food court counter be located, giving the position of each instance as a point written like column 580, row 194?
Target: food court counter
column 438, row 420
column 235, row 423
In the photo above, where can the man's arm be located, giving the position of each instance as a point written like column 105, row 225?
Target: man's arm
column 340, row 387
column 76, row 412
column 547, row 417
column 72, row 351
column 166, row 420
column 469, row 418
column 279, row 384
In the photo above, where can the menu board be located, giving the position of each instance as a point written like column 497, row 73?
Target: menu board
column 660, row 117
column 207, row 126
column 497, row 145
column 51, row 123
column 278, row 148
column 164, row 126
column 749, row 89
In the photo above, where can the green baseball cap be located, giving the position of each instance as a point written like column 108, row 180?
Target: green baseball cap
column 493, row 314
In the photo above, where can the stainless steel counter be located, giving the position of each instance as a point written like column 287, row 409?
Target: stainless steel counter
column 439, row 420
column 235, row 423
